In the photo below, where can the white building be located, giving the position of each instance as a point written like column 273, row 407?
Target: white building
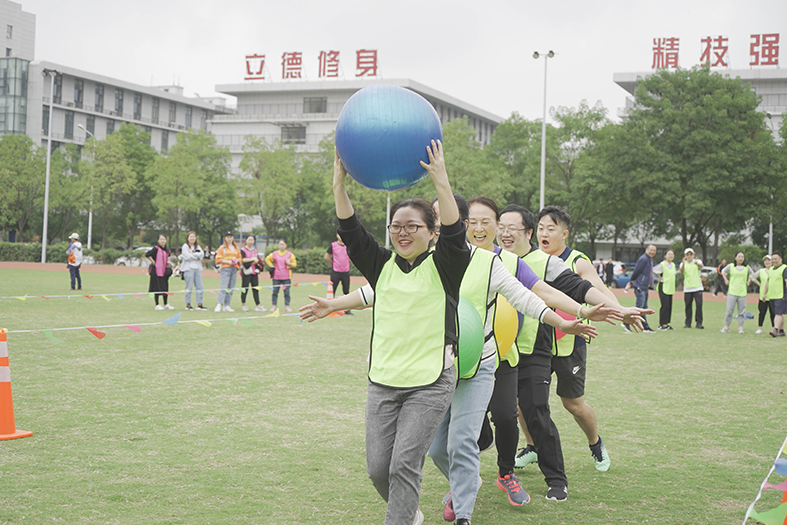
column 98, row 104
column 302, row 113
column 81, row 100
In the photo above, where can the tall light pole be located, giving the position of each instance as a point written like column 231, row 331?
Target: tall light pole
column 52, row 73
column 547, row 56
column 90, row 214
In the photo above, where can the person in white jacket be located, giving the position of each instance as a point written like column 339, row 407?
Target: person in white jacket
column 74, row 253
column 191, row 267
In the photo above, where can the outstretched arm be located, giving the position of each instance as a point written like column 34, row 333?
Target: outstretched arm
column 449, row 212
column 344, row 208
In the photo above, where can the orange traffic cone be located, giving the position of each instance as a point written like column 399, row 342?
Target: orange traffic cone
column 7, row 426
column 329, row 296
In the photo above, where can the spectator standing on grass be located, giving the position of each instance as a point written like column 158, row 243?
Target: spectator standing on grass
column 610, row 271
column 775, row 293
column 721, row 283
column 667, row 270
column 601, row 269
column 74, row 253
column 250, row 279
column 763, row 305
column 228, row 260
column 640, row 281
column 736, row 277
column 282, row 261
column 191, row 269
column 160, row 272
column 692, row 286
column 337, row 257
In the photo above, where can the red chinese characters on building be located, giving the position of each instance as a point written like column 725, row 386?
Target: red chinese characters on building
column 764, row 50
column 366, row 63
column 255, row 64
column 291, row 64
column 329, row 64
column 718, row 46
column 665, row 52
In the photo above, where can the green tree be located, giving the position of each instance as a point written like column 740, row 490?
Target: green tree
column 136, row 209
column 270, row 181
column 191, row 182
column 474, row 170
column 23, row 179
column 709, row 170
column 516, row 144
column 108, row 172
column 69, row 194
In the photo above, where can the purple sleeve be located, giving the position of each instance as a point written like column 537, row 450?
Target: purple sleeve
column 525, row 275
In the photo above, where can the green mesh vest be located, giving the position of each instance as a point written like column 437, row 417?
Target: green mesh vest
column 475, row 288
column 408, row 335
column 565, row 344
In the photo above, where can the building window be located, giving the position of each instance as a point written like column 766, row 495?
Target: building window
column 91, row 124
column 69, row 125
column 137, row 106
column 9, row 31
column 203, row 124
column 172, row 112
column 99, row 98
column 164, row 140
column 110, row 127
column 293, row 135
column 315, row 104
column 8, row 51
column 79, row 92
column 118, row 101
column 45, row 121
column 188, row 116
column 4, row 82
column 154, row 114
column 57, row 95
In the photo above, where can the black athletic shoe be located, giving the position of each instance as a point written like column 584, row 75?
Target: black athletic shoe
column 700, row 327
column 557, row 493
column 463, row 521
column 686, row 326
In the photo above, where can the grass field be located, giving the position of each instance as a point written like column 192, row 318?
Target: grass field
column 263, row 424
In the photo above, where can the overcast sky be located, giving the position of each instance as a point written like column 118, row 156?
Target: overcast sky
column 478, row 51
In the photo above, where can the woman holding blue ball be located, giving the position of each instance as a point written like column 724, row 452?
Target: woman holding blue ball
column 411, row 369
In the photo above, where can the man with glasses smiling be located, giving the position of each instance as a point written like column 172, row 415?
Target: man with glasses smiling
column 536, row 341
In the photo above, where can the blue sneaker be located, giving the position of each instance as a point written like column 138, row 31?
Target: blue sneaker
column 600, row 456
column 516, row 494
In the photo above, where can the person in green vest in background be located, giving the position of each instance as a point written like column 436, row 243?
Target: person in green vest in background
column 692, row 286
column 763, row 305
column 737, row 278
column 775, row 288
column 667, row 270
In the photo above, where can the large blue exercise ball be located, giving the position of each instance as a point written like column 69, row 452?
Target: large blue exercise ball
column 382, row 135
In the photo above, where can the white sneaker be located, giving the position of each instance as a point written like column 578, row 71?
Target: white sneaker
column 725, row 330
column 159, row 307
column 259, row 308
column 218, row 308
column 169, row 307
column 740, row 329
column 759, row 331
column 227, row 309
column 244, row 308
column 419, row 517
